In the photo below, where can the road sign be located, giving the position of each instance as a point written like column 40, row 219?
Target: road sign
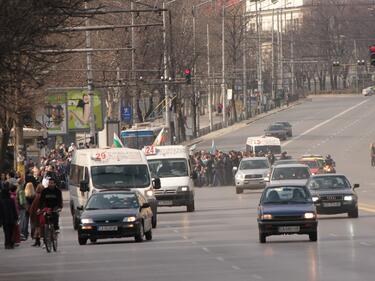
column 126, row 114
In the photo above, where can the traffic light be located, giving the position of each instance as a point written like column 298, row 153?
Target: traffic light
column 336, row 63
column 372, row 55
column 187, row 73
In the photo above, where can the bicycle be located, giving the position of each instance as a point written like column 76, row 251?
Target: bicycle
column 50, row 235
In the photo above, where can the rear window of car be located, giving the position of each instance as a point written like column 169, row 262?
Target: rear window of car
column 275, row 127
column 285, row 194
column 331, row 182
column 254, row 164
column 310, row 163
column 290, row 173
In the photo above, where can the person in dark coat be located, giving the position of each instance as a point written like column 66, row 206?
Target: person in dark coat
column 8, row 217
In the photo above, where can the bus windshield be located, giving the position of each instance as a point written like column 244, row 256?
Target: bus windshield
column 167, row 168
column 120, row 176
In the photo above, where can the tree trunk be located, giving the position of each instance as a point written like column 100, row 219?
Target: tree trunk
column 139, row 110
column 3, row 145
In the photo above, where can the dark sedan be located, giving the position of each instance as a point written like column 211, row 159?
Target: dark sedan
column 333, row 194
column 287, row 126
column 277, row 131
column 115, row 214
column 287, row 209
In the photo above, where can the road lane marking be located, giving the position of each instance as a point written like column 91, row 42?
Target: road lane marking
column 220, row 259
column 205, row 249
column 256, row 276
column 235, row 267
column 324, row 122
column 365, row 244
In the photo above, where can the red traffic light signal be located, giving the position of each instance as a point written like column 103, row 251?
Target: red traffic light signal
column 187, row 73
column 372, row 55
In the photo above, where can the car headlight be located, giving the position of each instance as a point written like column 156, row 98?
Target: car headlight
column 240, row 176
column 149, row 193
column 315, row 198
column 348, row 198
column 85, row 221
column 129, row 219
column 266, row 217
column 183, row 188
column 309, row 216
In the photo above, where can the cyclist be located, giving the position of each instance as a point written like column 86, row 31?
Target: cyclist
column 51, row 198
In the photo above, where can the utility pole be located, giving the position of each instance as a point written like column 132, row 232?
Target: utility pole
column 273, row 58
column 260, row 78
column 223, row 93
column 244, row 78
column 356, row 68
column 292, row 54
column 209, row 80
column 90, row 85
column 165, row 66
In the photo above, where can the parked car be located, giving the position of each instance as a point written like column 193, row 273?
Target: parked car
column 276, row 130
column 369, row 91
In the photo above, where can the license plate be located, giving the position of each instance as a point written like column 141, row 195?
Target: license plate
column 332, row 204
column 108, row 228
column 165, row 203
column 287, row 229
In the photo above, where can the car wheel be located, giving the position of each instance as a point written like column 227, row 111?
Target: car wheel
column 190, row 207
column 239, row 190
column 148, row 235
column 262, row 238
column 93, row 240
column 353, row 214
column 82, row 241
column 140, row 234
column 313, row 236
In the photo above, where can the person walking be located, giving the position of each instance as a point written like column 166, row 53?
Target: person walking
column 29, row 196
column 35, row 216
column 8, row 217
column 23, row 215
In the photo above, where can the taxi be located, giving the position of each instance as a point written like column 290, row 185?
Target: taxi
column 315, row 163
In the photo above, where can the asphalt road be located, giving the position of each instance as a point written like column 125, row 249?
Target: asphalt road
column 220, row 240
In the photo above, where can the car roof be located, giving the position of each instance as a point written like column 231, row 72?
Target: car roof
column 312, row 156
column 292, row 165
column 286, row 183
column 114, row 190
column 328, row 175
column 255, row 158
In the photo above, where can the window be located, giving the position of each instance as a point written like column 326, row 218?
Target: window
column 254, row 164
column 167, row 168
column 280, row 195
column 113, row 201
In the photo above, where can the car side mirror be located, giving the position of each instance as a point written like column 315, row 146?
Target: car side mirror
column 267, row 179
column 80, row 208
column 235, row 169
column 156, row 183
column 84, row 186
column 356, row 185
column 145, row 205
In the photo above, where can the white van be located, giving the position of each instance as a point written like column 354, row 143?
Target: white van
column 93, row 170
column 171, row 164
column 263, row 144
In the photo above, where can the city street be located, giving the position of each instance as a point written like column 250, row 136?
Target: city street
column 220, row 240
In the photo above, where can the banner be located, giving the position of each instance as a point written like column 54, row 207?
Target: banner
column 79, row 110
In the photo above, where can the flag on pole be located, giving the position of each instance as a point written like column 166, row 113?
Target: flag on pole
column 213, row 148
column 161, row 138
column 117, row 141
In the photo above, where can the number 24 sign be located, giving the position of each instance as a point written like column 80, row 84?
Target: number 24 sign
column 150, row 150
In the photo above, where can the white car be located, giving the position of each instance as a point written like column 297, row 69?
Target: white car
column 369, row 91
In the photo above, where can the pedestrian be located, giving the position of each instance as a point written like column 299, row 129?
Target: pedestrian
column 372, row 154
column 29, row 195
column 16, row 232
column 23, row 215
column 35, row 216
column 8, row 217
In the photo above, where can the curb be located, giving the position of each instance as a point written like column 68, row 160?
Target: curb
column 241, row 124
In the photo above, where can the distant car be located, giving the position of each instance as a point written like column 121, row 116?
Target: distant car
column 250, row 173
column 276, row 130
column 314, row 165
column 287, row 209
column 292, row 173
column 115, row 214
column 287, row 126
column 369, row 91
column 333, row 194
column 285, row 161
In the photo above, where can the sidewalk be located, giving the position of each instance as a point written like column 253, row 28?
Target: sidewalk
column 218, row 130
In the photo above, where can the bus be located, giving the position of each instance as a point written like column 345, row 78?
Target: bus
column 140, row 135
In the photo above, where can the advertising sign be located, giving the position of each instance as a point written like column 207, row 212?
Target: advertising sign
column 78, row 102
column 126, row 114
column 54, row 116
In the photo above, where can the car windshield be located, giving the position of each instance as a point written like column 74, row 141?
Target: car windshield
column 282, row 162
column 286, row 124
column 311, row 163
column 290, row 173
column 286, row 195
column 100, row 201
column 275, row 127
column 331, row 182
column 120, row 176
column 167, row 168
column 254, row 164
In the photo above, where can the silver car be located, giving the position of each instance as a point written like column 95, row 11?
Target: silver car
column 292, row 173
column 250, row 173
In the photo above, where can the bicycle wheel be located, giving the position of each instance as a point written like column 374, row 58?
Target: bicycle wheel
column 47, row 238
column 54, row 239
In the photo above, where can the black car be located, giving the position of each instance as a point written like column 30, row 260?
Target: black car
column 276, row 130
column 333, row 194
column 115, row 214
column 287, row 126
column 287, row 209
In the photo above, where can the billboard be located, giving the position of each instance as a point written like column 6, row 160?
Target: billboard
column 54, row 116
column 78, row 105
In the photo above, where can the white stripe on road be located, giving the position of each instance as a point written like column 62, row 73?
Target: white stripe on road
column 324, row 122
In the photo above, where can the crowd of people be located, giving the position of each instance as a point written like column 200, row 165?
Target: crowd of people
column 24, row 196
